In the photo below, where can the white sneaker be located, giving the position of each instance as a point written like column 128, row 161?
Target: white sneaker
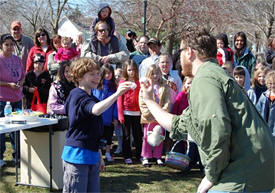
column 109, row 157
column 145, row 162
column 159, row 162
column 2, row 163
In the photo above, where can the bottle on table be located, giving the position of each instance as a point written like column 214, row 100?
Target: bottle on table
column 8, row 112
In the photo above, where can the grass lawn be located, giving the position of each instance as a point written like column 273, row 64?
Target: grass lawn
column 117, row 177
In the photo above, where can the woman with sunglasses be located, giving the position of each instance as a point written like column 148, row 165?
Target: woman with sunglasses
column 42, row 45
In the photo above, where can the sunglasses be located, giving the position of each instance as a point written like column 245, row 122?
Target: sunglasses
column 102, row 30
column 42, row 34
column 16, row 29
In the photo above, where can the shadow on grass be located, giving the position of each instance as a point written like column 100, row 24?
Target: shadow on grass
column 136, row 178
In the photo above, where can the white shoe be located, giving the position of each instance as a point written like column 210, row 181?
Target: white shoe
column 2, row 163
column 145, row 162
column 159, row 162
column 109, row 157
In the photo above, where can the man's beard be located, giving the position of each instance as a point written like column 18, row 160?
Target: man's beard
column 186, row 68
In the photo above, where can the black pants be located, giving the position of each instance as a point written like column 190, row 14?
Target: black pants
column 134, row 123
column 108, row 133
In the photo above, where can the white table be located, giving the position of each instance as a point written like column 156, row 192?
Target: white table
column 6, row 128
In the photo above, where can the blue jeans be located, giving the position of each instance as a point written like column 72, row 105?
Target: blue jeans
column 80, row 178
column 15, row 105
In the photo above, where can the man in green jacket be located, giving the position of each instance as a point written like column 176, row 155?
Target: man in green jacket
column 235, row 144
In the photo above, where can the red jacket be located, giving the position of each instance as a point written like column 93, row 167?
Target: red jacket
column 34, row 50
column 128, row 101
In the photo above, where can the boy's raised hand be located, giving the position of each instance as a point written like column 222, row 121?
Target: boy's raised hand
column 123, row 87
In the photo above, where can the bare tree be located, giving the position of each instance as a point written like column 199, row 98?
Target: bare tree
column 56, row 9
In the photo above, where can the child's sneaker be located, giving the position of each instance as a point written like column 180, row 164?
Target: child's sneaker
column 2, row 163
column 109, row 157
column 128, row 161
column 159, row 162
column 145, row 162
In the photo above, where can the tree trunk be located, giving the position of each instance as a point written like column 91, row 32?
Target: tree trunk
column 171, row 39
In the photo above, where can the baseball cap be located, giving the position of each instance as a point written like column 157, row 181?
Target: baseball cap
column 15, row 24
column 153, row 41
column 38, row 58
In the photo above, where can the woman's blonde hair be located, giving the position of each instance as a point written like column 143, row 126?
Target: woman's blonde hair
column 81, row 66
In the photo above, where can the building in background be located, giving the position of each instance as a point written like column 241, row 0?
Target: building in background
column 70, row 28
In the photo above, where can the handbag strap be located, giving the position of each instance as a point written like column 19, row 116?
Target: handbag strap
column 36, row 96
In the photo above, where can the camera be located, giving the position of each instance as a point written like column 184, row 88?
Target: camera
column 131, row 34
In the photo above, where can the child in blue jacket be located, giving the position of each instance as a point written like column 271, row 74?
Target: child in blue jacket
column 82, row 159
column 266, row 102
column 110, row 117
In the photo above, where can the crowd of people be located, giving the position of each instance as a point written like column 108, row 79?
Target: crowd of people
column 108, row 86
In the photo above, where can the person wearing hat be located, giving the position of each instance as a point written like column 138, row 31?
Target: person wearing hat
column 38, row 79
column 154, row 50
column 104, row 13
column 23, row 43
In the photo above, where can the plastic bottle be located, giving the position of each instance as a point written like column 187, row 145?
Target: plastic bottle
column 8, row 112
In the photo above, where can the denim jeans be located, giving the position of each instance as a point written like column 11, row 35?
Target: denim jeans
column 15, row 105
column 80, row 178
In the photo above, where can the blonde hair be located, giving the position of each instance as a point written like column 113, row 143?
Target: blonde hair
column 153, row 69
column 102, row 22
column 65, row 39
column 270, row 77
column 81, row 66
column 259, row 70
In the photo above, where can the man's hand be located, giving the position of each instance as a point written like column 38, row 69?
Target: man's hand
column 147, row 90
column 204, row 186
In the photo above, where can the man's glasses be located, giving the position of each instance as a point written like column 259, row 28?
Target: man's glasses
column 102, row 30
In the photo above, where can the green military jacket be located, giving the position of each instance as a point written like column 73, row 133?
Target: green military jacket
column 235, row 144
